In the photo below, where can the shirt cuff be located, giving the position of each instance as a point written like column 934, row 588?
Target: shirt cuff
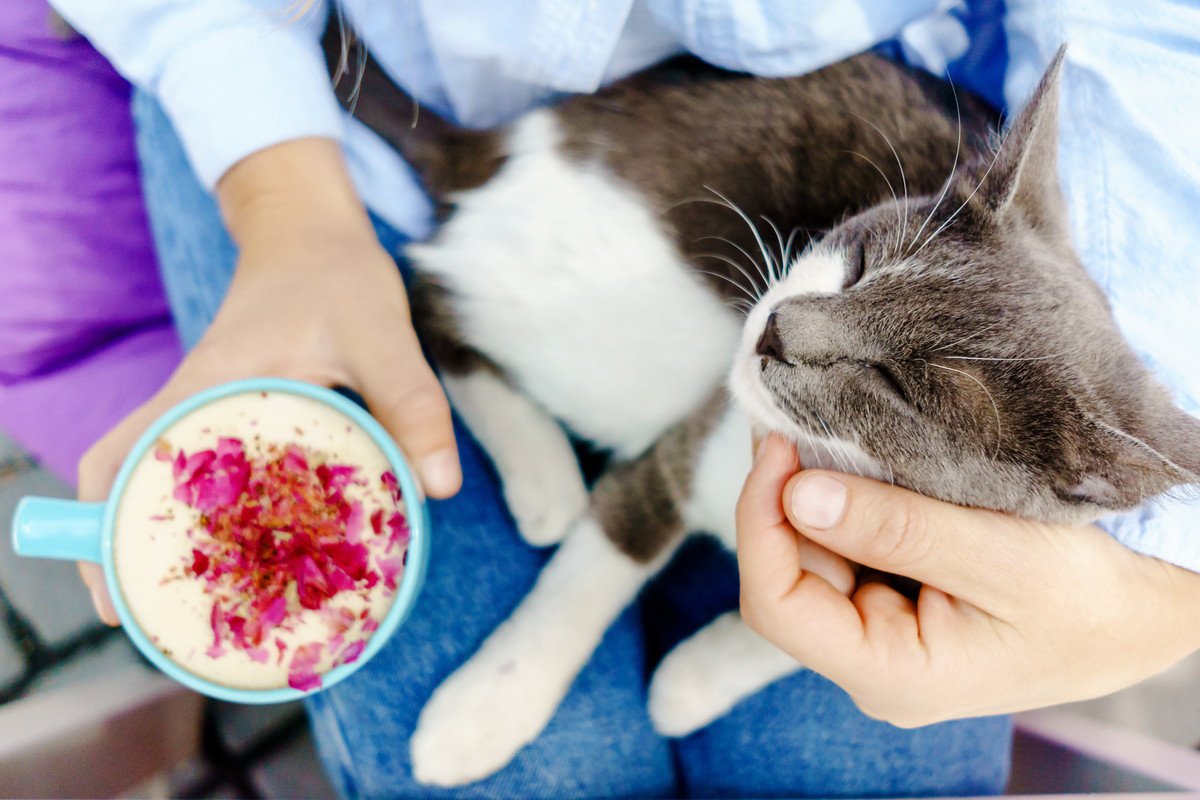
column 239, row 89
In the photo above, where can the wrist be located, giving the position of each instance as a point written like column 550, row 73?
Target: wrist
column 1173, row 594
column 295, row 192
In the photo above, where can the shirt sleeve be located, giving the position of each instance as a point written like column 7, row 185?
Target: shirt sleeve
column 1131, row 178
column 785, row 37
column 234, row 76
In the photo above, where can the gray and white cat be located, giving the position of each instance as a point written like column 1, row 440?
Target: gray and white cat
column 940, row 334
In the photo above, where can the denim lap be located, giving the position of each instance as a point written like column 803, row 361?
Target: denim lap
column 801, row 736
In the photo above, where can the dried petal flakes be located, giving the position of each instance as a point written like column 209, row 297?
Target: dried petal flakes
column 276, row 536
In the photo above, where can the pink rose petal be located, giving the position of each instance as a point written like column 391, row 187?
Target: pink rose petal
column 304, row 681
column 274, row 613
column 353, row 651
column 354, row 523
column 270, row 522
column 390, row 568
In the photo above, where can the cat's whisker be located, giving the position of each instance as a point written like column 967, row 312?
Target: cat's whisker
column 841, row 464
column 749, row 294
column 360, row 59
column 768, row 258
column 825, row 442
column 758, row 268
column 778, row 238
column 725, row 203
column 667, row 209
column 951, row 218
column 953, row 167
column 743, row 307
column 833, row 459
column 968, row 337
column 998, row 358
column 895, row 199
column 903, row 179
column 995, row 408
column 811, row 241
column 787, row 251
column 825, row 445
column 752, row 289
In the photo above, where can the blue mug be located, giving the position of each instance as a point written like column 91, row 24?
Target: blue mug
column 76, row 531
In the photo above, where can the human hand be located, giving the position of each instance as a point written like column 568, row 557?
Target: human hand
column 314, row 298
column 1012, row 614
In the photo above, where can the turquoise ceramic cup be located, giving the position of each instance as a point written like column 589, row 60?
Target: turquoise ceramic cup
column 74, row 531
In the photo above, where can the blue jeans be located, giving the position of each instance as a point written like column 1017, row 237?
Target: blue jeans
column 802, row 736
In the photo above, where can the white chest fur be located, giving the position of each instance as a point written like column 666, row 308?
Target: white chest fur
column 564, row 277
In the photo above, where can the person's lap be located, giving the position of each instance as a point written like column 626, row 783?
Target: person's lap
column 801, row 736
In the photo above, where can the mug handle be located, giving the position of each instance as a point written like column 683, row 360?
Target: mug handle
column 46, row 527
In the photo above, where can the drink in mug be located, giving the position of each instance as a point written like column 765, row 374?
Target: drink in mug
column 256, row 543
column 259, row 541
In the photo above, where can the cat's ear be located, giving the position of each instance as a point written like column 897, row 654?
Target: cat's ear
column 1024, row 176
column 1123, row 471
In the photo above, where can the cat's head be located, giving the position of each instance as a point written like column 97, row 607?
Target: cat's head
column 961, row 350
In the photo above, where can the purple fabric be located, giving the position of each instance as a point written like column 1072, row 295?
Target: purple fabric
column 85, row 332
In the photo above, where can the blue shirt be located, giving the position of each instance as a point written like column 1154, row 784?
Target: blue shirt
column 239, row 75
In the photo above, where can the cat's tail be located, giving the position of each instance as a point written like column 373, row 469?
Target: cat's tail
column 447, row 157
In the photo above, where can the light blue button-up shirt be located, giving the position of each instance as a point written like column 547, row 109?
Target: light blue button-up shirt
column 240, row 75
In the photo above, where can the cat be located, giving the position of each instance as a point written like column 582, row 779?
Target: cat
column 592, row 267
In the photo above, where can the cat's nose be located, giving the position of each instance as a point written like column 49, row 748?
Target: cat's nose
column 769, row 344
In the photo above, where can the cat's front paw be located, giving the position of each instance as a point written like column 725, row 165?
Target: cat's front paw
column 685, row 695
column 477, row 721
column 545, row 497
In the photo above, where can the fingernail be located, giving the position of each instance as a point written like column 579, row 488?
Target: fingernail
column 760, row 450
column 818, row 501
column 440, row 472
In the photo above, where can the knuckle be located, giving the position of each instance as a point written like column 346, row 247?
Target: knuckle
column 415, row 406
column 901, row 538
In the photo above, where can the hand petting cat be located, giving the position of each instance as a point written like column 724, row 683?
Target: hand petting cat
column 1011, row 615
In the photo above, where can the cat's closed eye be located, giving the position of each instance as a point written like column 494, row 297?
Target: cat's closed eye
column 886, row 377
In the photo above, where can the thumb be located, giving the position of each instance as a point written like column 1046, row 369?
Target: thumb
column 771, row 555
column 979, row 556
column 405, row 396
column 768, row 555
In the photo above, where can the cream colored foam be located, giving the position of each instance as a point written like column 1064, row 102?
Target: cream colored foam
column 175, row 613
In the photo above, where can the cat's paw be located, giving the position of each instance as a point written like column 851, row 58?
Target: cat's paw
column 477, row 721
column 710, row 672
column 685, row 695
column 545, row 497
